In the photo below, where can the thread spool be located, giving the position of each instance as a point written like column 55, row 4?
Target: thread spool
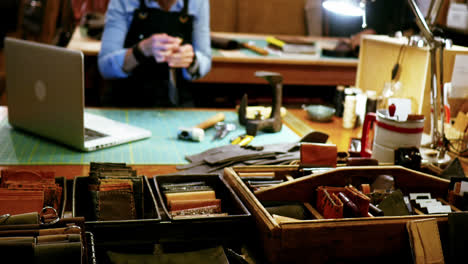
column 339, row 99
column 349, row 112
column 371, row 104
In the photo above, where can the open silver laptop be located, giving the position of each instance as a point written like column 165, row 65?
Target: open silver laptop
column 45, row 94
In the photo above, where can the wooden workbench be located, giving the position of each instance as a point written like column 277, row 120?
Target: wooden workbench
column 236, row 67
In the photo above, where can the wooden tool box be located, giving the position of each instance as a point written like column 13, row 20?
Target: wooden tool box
column 362, row 240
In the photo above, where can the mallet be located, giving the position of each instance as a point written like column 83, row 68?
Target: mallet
column 197, row 132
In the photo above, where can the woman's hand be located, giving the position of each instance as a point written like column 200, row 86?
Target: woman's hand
column 181, row 57
column 160, row 46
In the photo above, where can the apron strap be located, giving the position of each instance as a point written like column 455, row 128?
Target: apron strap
column 185, row 9
column 142, row 4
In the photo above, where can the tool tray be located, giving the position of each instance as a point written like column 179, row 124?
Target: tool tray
column 315, row 240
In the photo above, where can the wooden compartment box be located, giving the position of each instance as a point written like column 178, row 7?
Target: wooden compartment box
column 348, row 240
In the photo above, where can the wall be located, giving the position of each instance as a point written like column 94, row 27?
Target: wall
column 261, row 16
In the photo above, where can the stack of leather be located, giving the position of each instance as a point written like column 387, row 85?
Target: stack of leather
column 191, row 199
column 28, row 191
column 23, row 239
column 216, row 159
column 339, row 202
column 116, row 192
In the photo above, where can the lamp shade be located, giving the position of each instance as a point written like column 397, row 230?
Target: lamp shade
column 344, row 7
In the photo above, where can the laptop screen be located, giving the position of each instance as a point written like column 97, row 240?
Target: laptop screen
column 45, row 93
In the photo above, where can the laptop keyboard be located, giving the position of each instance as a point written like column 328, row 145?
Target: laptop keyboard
column 92, row 134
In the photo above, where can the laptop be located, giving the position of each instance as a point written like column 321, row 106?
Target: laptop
column 45, row 91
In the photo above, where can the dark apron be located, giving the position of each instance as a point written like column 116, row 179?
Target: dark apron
column 148, row 84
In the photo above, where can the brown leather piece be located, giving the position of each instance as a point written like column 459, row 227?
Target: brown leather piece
column 328, row 203
column 20, row 202
column 350, row 209
column 321, row 193
column 318, row 155
column 361, row 200
column 25, row 183
column 187, row 204
column 425, row 241
column 116, row 205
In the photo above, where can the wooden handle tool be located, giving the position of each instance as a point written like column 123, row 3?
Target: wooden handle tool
column 254, row 48
column 211, row 121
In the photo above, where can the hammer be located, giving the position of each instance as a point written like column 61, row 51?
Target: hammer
column 197, row 132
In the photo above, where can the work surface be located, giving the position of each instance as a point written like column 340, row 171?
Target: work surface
column 296, row 120
column 163, row 147
column 239, row 66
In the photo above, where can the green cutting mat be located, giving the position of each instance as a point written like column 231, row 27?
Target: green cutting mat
column 163, row 147
column 263, row 44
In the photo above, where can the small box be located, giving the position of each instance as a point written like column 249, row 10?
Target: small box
column 234, row 226
column 117, row 231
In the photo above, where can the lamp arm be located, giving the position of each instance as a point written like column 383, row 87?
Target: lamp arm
column 421, row 22
column 433, row 12
column 438, row 111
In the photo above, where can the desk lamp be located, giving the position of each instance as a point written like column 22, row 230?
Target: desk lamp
column 435, row 44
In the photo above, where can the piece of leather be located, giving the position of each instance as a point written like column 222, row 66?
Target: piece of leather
column 214, row 160
column 17, row 251
column 315, row 137
column 277, row 159
column 59, row 238
column 187, row 204
column 457, row 236
column 116, row 205
column 214, row 255
column 29, row 180
column 292, row 210
column 230, row 153
column 116, row 177
column 58, row 253
column 425, row 241
column 454, row 169
column 318, row 155
column 321, row 190
column 333, row 207
column 26, row 176
column 350, row 209
column 358, row 198
column 198, row 211
column 394, row 204
column 20, row 202
column 20, row 219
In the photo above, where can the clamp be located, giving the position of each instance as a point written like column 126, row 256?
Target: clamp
column 274, row 122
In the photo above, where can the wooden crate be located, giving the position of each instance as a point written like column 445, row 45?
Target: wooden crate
column 362, row 240
column 378, row 54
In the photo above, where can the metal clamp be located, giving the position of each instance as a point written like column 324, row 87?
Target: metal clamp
column 274, row 122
